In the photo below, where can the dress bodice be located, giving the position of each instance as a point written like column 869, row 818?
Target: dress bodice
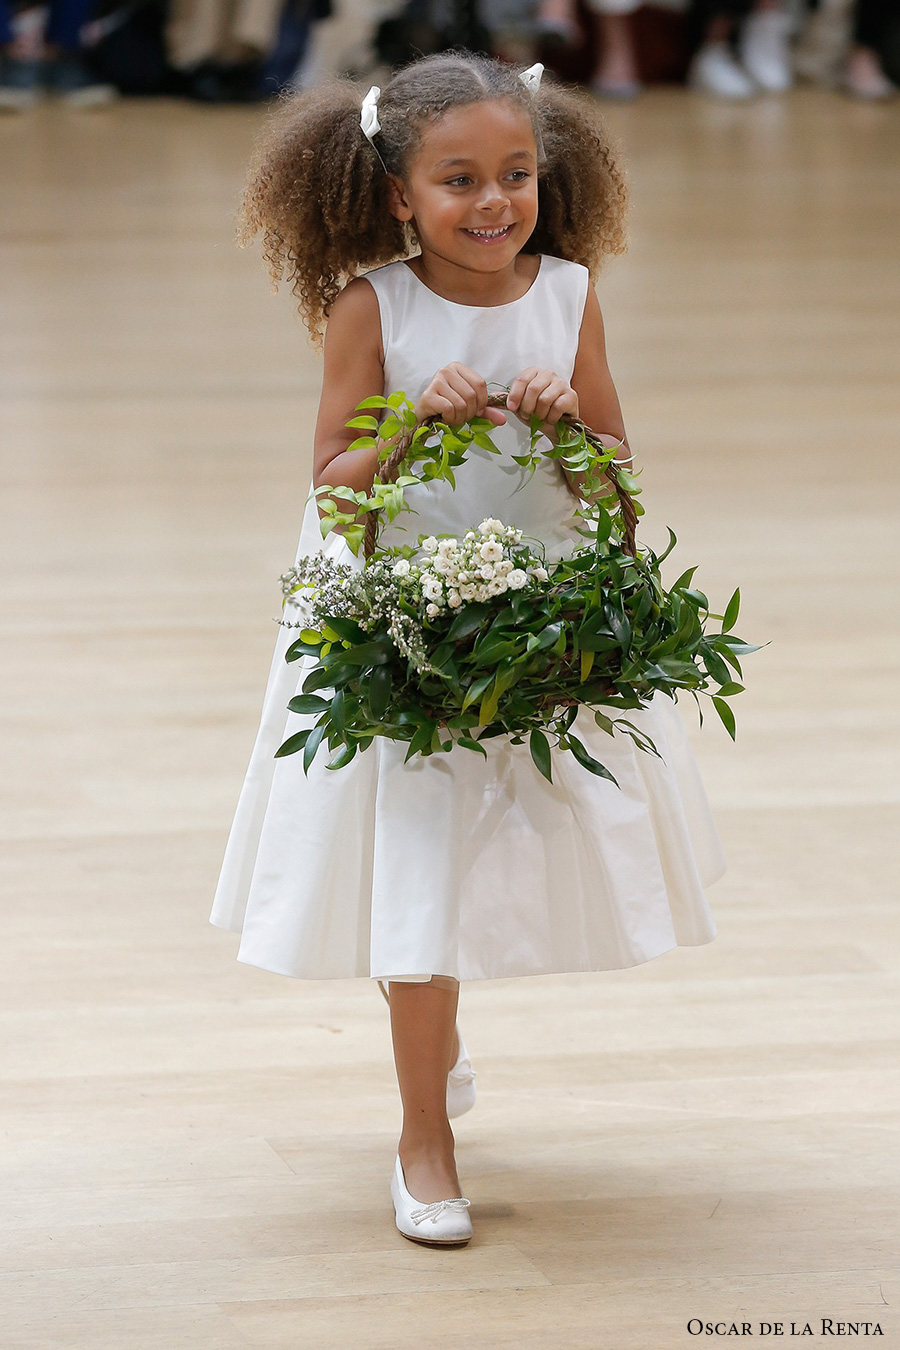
column 422, row 332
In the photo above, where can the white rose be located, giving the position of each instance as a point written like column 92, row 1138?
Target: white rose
column 491, row 526
column 454, row 599
column 516, row 579
column 541, row 574
column 447, row 547
column 487, row 572
column 432, row 610
column 503, row 568
column 432, row 588
column 497, row 587
column 491, row 551
column 442, row 565
column 468, row 592
column 463, row 577
column 429, row 544
column 401, row 567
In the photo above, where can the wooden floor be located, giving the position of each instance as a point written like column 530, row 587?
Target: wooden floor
column 197, row 1154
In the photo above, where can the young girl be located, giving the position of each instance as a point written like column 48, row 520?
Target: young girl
column 483, row 200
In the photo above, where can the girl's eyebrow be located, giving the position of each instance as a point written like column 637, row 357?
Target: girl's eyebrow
column 454, row 163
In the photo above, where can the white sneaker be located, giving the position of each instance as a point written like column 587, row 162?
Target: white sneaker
column 715, row 70
column 443, row 1223
column 764, row 50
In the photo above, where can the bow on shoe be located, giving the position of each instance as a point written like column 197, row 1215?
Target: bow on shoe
column 435, row 1210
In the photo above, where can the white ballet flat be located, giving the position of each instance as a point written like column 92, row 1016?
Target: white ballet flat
column 443, row 1223
column 460, row 1082
column 460, row 1079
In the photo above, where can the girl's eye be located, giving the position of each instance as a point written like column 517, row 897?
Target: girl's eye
column 461, row 181
column 519, row 175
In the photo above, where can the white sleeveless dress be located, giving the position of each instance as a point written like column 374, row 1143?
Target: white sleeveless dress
column 454, row 865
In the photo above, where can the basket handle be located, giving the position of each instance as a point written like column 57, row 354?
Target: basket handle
column 389, row 469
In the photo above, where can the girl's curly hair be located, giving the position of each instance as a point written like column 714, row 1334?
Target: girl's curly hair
column 318, row 192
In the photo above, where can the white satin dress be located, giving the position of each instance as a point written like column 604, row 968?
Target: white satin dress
column 455, row 865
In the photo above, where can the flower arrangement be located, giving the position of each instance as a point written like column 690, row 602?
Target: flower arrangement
column 449, row 641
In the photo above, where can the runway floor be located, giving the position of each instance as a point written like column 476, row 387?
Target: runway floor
column 197, row 1154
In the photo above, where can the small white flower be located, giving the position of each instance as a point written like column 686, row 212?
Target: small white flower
column 497, row 587
column 503, row 568
column 447, row 547
column 430, row 544
column 468, row 592
column 517, row 579
column 454, row 599
column 431, row 610
column 442, row 564
column 401, row 567
column 491, row 551
column 487, row 572
column 541, row 574
column 491, row 526
column 432, row 588
column 464, row 577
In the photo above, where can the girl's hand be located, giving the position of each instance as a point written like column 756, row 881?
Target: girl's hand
column 456, row 395
column 541, row 394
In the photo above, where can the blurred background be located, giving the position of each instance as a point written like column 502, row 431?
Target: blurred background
column 226, row 51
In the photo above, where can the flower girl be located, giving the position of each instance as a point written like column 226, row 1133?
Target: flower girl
column 447, row 230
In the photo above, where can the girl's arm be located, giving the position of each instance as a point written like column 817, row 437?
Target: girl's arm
column 598, row 402
column 354, row 370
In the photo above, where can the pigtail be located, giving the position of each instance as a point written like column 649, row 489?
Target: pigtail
column 583, row 193
column 318, row 195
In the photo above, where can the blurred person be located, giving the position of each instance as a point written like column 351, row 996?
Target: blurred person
column 614, row 48
column 864, row 75
column 42, row 52
column 219, row 46
column 744, row 48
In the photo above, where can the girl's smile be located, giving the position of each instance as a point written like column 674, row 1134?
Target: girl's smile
column 471, row 194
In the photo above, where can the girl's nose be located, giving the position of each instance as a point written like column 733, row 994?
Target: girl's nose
column 493, row 198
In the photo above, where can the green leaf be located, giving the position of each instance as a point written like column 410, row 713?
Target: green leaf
column 476, row 689
column 586, row 759
column 377, row 401
column 726, row 715
column 312, row 745
column 346, row 629
column 729, row 689
column 540, row 753
column 363, row 423
column 293, row 744
column 488, row 709
column 731, row 611
column 683, row 580
column 668, row 549
column 467, row 623
column 308, row 703
column 715, row 666
column 367, row 654
column 363, row 443
column 318, row 678
column 472, row 744
column 379, row 691
column 343, row 756
column 300, row 648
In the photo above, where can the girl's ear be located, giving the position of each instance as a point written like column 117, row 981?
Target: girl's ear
column 398, row 205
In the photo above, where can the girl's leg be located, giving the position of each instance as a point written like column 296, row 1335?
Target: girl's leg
column 423, row 1020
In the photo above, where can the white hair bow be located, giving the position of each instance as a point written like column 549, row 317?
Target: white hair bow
column 531, row 78
column 368, row 118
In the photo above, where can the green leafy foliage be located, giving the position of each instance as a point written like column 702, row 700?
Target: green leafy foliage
column 600, row 632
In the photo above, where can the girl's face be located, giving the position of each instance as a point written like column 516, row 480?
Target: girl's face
column 471, row 191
